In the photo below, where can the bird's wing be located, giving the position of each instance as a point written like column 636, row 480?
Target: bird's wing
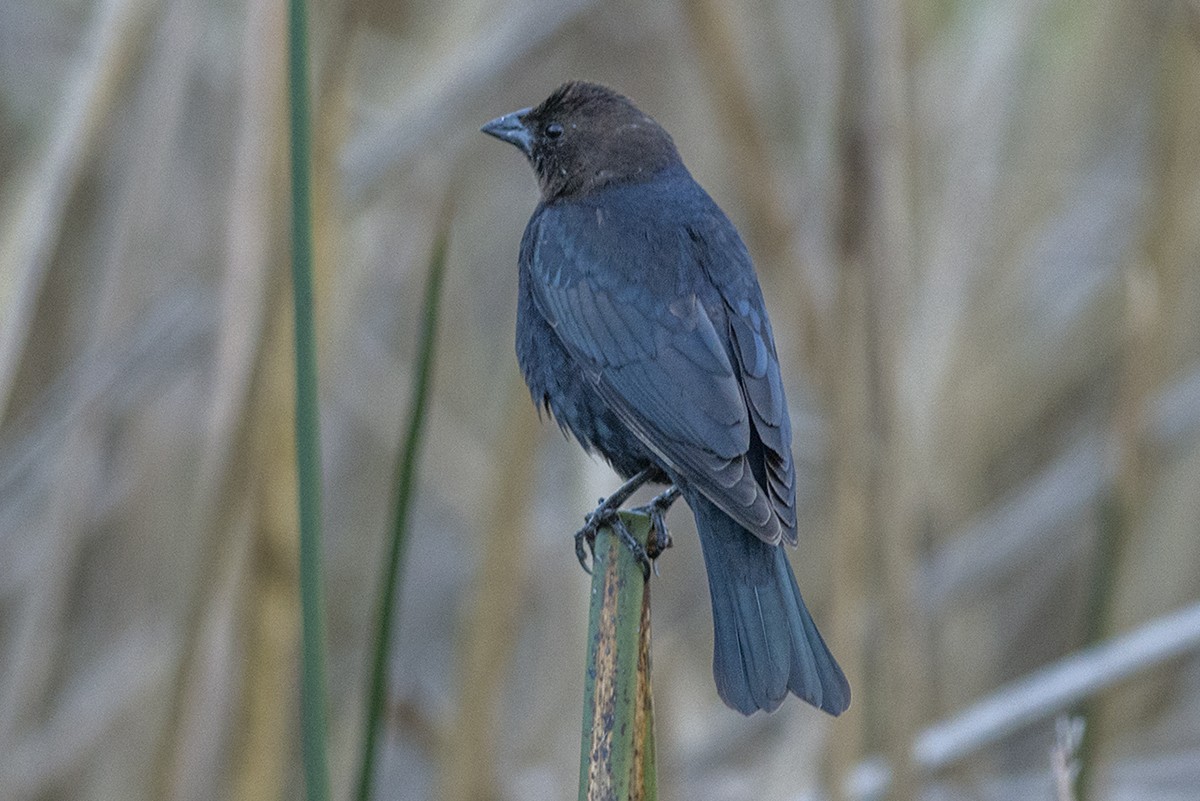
column 646, row 326
column 727, row 264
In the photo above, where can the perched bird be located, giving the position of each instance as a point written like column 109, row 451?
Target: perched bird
column 641, row 328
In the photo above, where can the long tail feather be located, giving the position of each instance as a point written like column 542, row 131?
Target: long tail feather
column 765, row 643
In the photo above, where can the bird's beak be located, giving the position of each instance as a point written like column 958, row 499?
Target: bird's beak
column 511, row 128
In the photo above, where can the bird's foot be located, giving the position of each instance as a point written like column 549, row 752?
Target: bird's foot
column 659, row 539
column 607, row 514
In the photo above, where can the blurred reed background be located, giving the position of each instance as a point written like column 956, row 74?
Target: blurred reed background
column 978, row 229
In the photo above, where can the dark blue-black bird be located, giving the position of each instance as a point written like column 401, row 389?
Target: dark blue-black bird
column 641, row 328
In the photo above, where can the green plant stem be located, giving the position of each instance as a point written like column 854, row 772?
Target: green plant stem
column 403, row 478
column 617, row 751
column 308, row 452
column 1113, row 523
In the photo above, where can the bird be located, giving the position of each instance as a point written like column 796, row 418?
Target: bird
column 642, row 330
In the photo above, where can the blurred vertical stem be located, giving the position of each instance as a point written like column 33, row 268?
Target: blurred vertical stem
column 1113, row 524
column 617, row 759
column 879, row 251
column 308, row 452
column 1117, row 508
column 403, row 478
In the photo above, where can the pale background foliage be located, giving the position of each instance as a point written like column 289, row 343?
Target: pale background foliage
column 978, row 229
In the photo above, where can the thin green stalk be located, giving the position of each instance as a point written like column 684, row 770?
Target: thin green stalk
column 617, row 751
column 1113, row 523
column 403, row 478
column 308, row 453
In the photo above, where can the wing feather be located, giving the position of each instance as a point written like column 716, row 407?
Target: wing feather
column 683, row 357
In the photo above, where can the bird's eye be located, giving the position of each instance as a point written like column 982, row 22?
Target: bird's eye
column 554, row 130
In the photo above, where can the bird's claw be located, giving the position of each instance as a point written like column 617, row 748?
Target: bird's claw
column 592, row 523
column 606, row 516
column 659, row 539
column 585, row 535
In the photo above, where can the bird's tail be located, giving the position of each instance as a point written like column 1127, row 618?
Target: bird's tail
column 764, row 641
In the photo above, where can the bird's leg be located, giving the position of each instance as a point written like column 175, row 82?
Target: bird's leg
column 660, row 539
column 606, row 515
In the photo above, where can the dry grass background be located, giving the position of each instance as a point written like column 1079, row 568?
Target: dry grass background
column 978, row 227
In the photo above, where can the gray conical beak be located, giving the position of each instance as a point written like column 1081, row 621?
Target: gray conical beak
column 511, row 128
